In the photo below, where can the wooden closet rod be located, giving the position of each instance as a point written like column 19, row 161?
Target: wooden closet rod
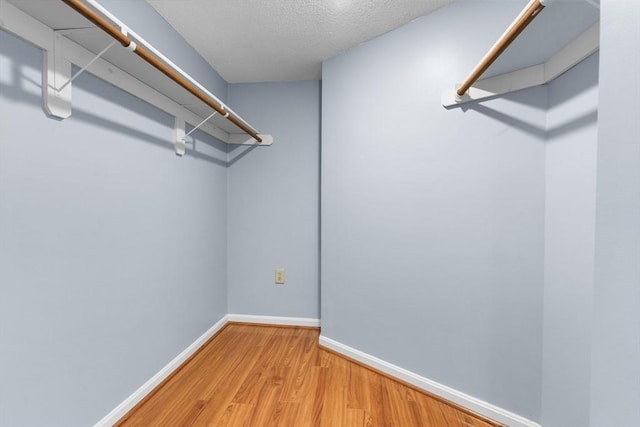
column 528, row 14
column 117, row 34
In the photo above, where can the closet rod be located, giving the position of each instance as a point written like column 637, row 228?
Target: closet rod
column 123, row 38
column 522, row 21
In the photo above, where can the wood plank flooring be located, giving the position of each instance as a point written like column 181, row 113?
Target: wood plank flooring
column 259, row 376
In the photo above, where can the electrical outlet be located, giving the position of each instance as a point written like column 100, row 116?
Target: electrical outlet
column 280, row 276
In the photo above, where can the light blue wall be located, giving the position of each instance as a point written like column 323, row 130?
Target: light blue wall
column 433, row 220
column 451, row 239
column 274, row 201
column 615, row 386
column 112, row 249
column 571, row 157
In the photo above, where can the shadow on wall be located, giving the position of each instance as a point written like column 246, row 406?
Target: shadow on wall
column 17, row 85
column 237, row 152
column 572, row 125
column 576, row 88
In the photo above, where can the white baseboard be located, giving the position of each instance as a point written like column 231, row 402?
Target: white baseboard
column 274, row 320
column 121, row 410
column 455, row 396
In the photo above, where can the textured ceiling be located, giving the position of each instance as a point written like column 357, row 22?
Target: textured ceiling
column 280, row 40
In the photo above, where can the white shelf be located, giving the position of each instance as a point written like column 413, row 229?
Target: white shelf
column 566, row 58
column 52, row 23
column 560, row 37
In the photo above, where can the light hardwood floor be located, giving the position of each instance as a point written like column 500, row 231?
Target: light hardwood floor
column 259, row 376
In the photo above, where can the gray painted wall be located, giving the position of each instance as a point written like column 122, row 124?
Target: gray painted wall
column 615, row 386
column 274, row 202
column 433, row 220
column 571, row 157
column 112, row 249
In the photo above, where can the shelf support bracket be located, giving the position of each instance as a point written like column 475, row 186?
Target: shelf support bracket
column 180, row 137
column 200, row 124
column 83, row 69
column 56, row 70
column 179, row 143
column 57, row 79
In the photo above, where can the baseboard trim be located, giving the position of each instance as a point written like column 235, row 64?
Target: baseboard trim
column 447, row 393
column 274, row 320
column 457, row 397
column 147, row 388
column 130, row 402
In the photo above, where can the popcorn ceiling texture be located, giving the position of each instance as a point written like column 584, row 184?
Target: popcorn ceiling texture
column 281, row 40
